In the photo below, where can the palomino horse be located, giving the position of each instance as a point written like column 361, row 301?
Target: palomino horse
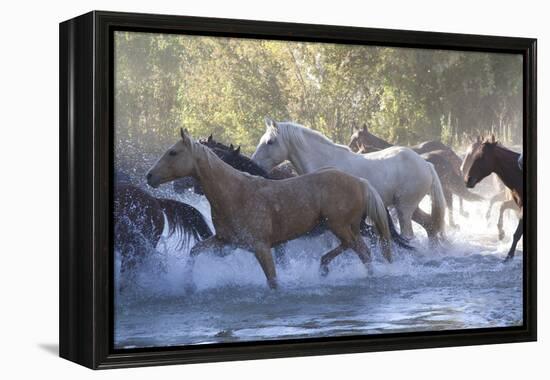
column 503, row 195
column 256, row 214
column 490, row 157
column 445, row 160
column 401, row 177
column 233, row 157
column 139, row 222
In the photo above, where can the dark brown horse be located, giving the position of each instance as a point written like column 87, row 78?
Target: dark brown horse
column 139, row 223
column 490, row 157
column 445, row 161
column 503, row 194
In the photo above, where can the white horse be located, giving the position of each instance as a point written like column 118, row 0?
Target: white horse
column 401, row 177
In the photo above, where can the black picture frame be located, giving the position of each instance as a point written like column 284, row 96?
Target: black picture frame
column 86, row 173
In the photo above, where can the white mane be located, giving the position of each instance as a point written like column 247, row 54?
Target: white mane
column 299, row 135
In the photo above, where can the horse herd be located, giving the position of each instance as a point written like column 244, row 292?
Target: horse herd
column 298, row 182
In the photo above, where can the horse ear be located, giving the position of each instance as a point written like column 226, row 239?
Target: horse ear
column 478, row 139
column 231, row 147
column 185, row 136
column 493, row 138
column 238, row 150
column 270, row 123
column 209, row 139
column 365, row 127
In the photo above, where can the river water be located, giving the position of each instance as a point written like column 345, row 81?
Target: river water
column 461, row 285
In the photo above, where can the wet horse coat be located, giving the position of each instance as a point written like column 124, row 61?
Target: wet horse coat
column 399, row 175
column 490, row 157
column 255, row 214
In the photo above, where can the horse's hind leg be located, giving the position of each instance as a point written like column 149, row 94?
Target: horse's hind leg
column 517, row 236
column 363, row 252
column 263, row 255
column 346, row 236
column 405, row 214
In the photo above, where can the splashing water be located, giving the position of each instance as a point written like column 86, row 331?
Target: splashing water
column 462, row 284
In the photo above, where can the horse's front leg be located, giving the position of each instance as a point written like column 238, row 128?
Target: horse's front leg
column 328, row 257
column 463, row 212
column 503, row 207
column 495, row 198
column 517, row 236
column 449, row 200
column 264, row 257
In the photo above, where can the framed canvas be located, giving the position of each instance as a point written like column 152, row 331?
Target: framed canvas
column 235, row 189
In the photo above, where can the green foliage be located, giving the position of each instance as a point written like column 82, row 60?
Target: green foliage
column 226, row 87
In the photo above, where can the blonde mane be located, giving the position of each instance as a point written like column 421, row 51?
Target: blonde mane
column 199, row 150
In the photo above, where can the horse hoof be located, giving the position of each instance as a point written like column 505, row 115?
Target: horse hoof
column 324, row 271
column 500, row 235
column 508, row 259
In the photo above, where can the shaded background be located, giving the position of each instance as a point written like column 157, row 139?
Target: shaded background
column 226, row 86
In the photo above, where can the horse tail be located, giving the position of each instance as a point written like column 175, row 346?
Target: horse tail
column 184, row 219
column 378, row 214
column 459, row 188
column 438, row 203
column 396, row 237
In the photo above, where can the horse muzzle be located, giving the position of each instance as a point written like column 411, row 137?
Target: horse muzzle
column 153, row 180
column 470, row 182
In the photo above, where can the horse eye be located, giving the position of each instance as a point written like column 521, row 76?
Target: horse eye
column 172, row 153
column 269, row 142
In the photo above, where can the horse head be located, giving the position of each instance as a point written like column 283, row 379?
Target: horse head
column 468, row 158
column 271, row 149
column 359, row 139
column 175, row 163
column 483, row 162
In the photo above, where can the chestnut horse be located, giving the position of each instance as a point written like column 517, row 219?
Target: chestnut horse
column 255, row 214
column 490, row 157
